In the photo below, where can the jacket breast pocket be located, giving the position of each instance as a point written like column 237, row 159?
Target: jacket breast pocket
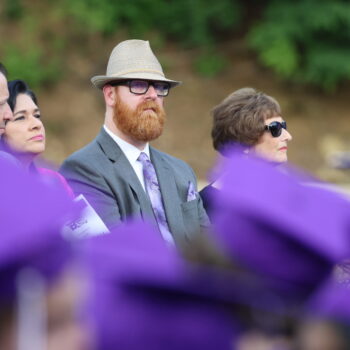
column 191, row 218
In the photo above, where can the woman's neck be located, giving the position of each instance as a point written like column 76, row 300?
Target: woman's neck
column 26, row 161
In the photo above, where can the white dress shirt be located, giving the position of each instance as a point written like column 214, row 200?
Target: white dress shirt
column 131, row 153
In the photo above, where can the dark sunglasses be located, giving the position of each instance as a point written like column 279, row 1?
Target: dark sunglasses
column 275, row 128
column 140, row 87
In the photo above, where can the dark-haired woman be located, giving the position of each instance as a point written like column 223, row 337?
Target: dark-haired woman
column 253, row 120
column 24, row 135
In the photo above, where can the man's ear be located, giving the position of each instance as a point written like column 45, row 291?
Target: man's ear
column 110, row 95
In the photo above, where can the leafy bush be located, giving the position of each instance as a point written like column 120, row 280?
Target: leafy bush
column 31, row 66
column 198, row 22
column 306, row 41
column 210, row 64
column 13, row 9
column 192, row 22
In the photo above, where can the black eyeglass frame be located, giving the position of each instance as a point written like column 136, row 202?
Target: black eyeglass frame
column 149, row 82
column 275, row 128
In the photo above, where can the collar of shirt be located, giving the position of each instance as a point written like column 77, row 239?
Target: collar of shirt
column 131, row 153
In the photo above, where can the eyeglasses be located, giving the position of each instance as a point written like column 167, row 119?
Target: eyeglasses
column 275, row 128
column 140, row 87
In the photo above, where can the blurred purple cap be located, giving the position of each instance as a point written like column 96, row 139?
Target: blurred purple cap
column 330, row 301
column 289, row 233
column 145, row 296
column 32, row 214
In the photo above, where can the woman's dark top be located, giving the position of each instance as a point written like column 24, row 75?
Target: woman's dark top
column 207, row 194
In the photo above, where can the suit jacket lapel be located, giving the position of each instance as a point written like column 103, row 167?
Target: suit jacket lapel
column 169, row 194
column 125, row 170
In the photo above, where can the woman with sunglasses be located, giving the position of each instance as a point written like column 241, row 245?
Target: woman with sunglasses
column 24, row 136
column 253, row 120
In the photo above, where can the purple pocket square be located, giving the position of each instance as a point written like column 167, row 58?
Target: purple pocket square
column 191, row 192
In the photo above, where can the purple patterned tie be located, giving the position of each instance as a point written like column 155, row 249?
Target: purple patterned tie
column 153, row 190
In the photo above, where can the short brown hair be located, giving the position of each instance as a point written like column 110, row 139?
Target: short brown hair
column 240, row 118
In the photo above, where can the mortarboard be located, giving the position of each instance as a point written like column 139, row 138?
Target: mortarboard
column 288, row 233
column 143, row 294
column 32, row 214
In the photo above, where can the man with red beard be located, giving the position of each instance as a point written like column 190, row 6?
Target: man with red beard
column 119, row 173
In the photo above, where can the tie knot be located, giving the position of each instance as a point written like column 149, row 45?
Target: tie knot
column 143, row 157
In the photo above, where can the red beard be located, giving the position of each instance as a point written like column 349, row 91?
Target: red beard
column 145, row 123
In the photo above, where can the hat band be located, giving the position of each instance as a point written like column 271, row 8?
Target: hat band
column 137, row 71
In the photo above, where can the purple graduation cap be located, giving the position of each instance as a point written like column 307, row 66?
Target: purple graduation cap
column 143, row 295
column 330, row 301
column 287, row 232
column 31, row 216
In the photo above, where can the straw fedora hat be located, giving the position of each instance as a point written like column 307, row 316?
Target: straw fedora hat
column 132, row 59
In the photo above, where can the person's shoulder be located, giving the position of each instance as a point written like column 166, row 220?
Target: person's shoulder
column 208, row 190
column 6, row 157
column 49, row 173
column 52, row 175
column 88, row 153
column 94, row 151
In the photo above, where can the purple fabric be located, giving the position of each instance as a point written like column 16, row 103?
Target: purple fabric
column 52, row 175
column 330, row 301
column 153, row 190
column 288, row 233
column 31, row 216
column 143, row 295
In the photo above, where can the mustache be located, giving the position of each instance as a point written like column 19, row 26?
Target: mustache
column 149, row 105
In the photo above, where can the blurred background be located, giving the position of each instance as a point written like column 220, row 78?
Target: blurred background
column 295, row 50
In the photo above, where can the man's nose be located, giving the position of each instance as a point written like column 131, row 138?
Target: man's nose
column 8, row 113
column 151, row 93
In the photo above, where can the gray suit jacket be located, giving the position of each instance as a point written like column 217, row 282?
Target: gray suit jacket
column 102, row 173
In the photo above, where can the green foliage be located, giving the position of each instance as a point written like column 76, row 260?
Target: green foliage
column 31, row 66
column 210, row 64
column 305, row 40
column 275, row 49
column 96, row 15
column 196, row 23
column 327, row 66
column 192, row 22
column 32, row 51
column 13, row 9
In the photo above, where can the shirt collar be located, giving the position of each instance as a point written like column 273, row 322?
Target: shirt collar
column 131, row 152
